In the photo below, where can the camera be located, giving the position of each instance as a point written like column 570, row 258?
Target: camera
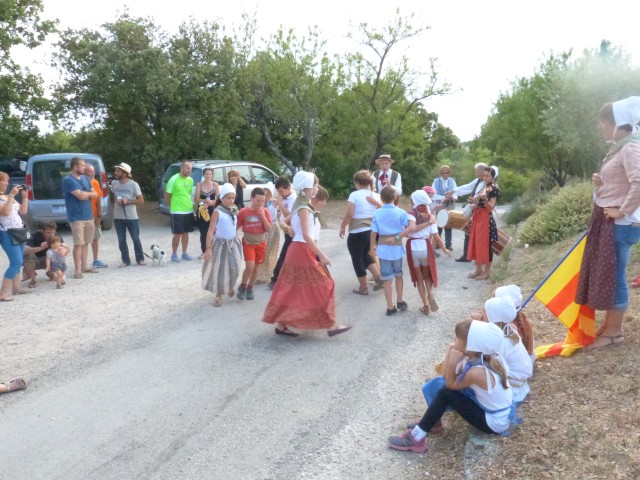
column 22, row 187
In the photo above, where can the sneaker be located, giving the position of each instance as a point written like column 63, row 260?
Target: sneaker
column 432, row 303
column 99, row 264
column 449, row 247
column 406, row 442
column 242, row 292
column 402, row 305
column 174, row 258
column 249, row 294
column 391, row 311
column 187, row 257
column 378, row 284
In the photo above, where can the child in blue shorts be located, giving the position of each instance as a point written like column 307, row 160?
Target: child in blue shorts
column 387, row 224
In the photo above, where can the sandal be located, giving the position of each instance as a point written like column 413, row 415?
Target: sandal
column 32, row 284
column 473, row 275
column 361, row 291
column 338, row 330
column 432, row 303
column 77, row 276
column 218, row 301
column 15, row 385
column 286, row 332
column 606, row 341
column 6, row 299
column 22, row 292
column 426, row 309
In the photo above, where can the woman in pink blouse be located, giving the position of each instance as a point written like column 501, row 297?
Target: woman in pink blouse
column 615, row 221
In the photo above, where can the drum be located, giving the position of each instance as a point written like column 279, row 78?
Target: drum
column 450, row 219
column 499, row 245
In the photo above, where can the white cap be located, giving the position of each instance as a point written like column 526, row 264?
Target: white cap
column 627, row 111
column 302, row 180
column 484, row 338
column 500, row 309
column 226, row 189
column 420, row 197
column 512, row 291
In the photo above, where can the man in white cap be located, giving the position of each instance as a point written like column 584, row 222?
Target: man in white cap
column 385, row 176
column 125, row 215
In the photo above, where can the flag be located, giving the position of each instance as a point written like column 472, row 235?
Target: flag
column 558, row 292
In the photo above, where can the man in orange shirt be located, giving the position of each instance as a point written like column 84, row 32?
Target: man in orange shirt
column 96, row 207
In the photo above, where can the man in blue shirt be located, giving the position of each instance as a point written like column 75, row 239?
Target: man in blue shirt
column 78, row 194
column 386, row 225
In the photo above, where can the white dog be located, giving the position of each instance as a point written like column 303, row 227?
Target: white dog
column 158, row 255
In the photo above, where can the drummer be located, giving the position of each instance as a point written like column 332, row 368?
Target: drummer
column 472, row 189
column 443, row 184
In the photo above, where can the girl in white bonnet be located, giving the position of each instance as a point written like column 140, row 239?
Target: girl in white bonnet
column 470, row 363
column 501, row 311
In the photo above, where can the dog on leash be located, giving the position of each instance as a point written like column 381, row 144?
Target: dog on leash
column 158, row 255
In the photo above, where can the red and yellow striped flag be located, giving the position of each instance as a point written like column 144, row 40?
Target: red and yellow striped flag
column 558, row 293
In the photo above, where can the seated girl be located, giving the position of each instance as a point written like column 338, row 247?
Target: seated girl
column 471, row 363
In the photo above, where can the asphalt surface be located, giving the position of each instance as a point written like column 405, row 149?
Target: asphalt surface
column 191, row 391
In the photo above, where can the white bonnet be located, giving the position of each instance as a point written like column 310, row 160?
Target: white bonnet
column 302, row 180
column 226, row 189
column 420, row 197
column 500, row 309
column 627, row 111
column 512, row 291
column 271, row 187
column 484, row 338
column 495, row 169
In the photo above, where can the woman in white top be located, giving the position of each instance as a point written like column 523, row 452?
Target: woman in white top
column 223, row 254
column 360, row 207
column 10, row 211
column 304, row 295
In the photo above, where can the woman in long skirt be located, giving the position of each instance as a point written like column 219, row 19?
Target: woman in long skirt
column 304, row 295
column 223, row 255
column 484, row 230
column 265, row 270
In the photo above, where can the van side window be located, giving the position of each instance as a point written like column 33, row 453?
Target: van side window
column 245, row 172
column 218, row 176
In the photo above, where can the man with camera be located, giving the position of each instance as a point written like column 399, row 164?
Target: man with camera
column 35, row 253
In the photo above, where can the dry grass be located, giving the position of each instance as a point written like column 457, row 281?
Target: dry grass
column 581, row 419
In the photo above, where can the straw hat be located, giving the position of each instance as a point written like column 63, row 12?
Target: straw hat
column 384, row 156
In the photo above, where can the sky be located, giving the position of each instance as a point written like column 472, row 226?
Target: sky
column 481, row 46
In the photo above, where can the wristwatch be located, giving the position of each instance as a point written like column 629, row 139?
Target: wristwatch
column 397, row 237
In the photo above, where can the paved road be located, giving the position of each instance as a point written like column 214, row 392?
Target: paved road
column 190, row 391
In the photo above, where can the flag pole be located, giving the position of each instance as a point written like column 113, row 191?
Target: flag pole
column 553, row 271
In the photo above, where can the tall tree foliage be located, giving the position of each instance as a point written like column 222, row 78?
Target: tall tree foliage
column 22, row 99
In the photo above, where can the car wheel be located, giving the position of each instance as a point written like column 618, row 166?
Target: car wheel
column 107, row 222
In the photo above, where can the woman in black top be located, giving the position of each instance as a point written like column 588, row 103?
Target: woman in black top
column 206, row 194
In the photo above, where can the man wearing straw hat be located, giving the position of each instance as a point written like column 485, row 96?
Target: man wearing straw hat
column 125, row 214
column 385, row 176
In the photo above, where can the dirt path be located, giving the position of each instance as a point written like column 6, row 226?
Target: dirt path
column 133, row 374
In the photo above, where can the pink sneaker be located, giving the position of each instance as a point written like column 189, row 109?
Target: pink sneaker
column 406, row 442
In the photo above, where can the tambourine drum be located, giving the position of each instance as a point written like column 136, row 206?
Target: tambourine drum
column 499, row 245
column 450, row 219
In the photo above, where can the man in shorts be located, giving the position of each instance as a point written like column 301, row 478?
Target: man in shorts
column 178, row 195
column 96, row 208
column 255, row 222
column 78, row 194
column 35, row 253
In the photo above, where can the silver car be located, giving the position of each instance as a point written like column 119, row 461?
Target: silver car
column 253, row 174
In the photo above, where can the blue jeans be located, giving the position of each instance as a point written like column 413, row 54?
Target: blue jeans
column 134, row 230
column 14, row 252
column 626, row 237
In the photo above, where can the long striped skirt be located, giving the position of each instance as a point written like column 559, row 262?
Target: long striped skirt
column 220, row 274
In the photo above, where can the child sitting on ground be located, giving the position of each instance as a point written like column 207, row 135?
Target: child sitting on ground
column 222, row 243
column 521, row 322
column 388, row 223
column 255, row 222
column 502, row 312
column 471, row 363
column 56, row 262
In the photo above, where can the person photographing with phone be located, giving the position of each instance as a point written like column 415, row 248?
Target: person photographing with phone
column 10, row 211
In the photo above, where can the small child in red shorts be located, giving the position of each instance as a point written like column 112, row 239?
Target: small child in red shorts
column 255, row 222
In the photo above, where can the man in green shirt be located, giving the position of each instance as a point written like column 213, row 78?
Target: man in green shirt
column 179, row 198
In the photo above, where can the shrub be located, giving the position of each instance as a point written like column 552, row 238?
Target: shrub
column 565, row 214
column 511, row 184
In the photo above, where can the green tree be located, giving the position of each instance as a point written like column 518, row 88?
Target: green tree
column 22, row 100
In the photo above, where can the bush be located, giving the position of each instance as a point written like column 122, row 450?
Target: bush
column 511, row 184
column 566, row 213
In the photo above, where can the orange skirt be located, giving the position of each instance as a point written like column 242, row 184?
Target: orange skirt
column 479, row 244
column 304, row 295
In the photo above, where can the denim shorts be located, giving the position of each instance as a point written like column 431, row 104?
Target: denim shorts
column 390, row 269
column 626, row 236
